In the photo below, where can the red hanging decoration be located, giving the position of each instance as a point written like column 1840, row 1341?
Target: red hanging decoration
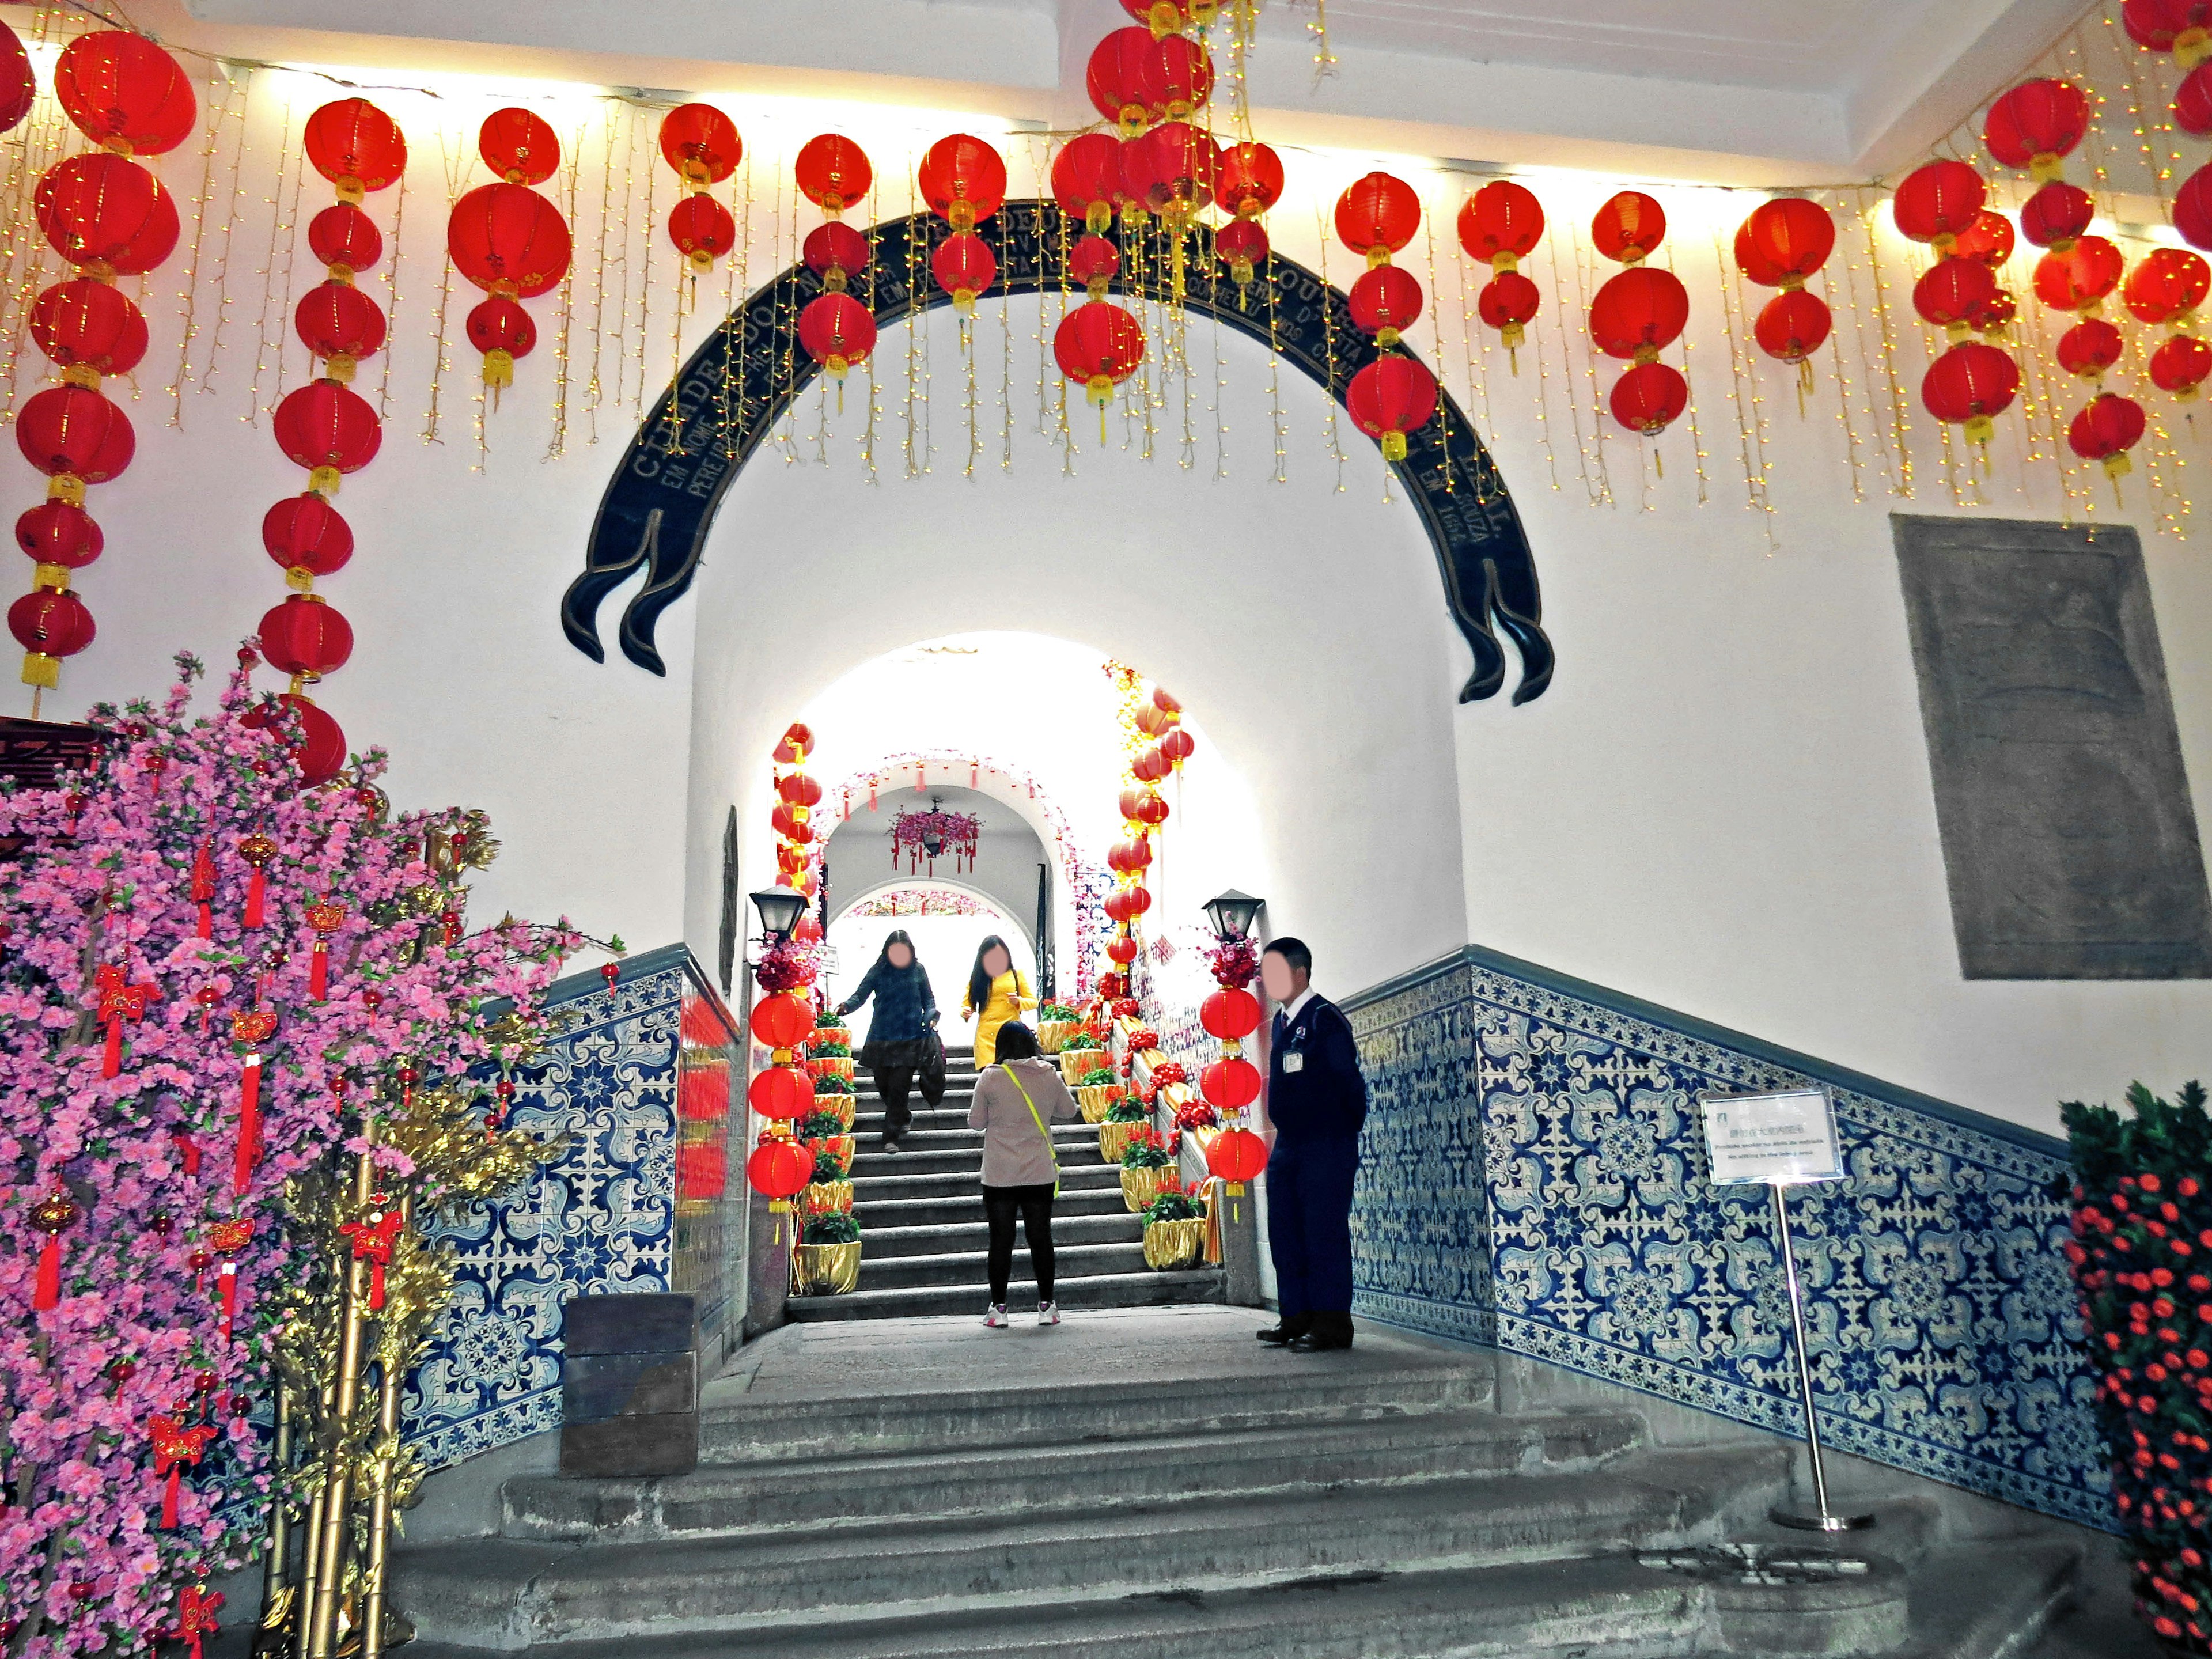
column 836, row 330
column 1386, row 301
column 319, row 750
column 52, row 1215
column 1939, row 201
column 1115, row 78
column 701, row 144
column 2167, row 285
column 519, row 146
column 330, row 429
column 963, row 179
column 1376, row 217
column 19, row 88
column 1086, row 179
column 832, row 172
column 117, row 1001
column 1629, row 228
column 1952, row 292
column 1649, row 398
column 1971, row 385
column 358, row 148
column 325, row 918
column 374, row 1235
column 250, row 1027
column 1989, row 239
column 196, row 1617
column 125, row 93
column 2035, row 125
column 2090, row 347
column 176, row 1446
column 2055, row 216
column 964, row 267
column 1099, row 346
column 2106, row 428
column 2079, row 279
column 2181, row 365
column 229, row 1239
column 257, row 849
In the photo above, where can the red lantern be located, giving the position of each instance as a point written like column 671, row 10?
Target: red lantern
column 797, row 789
column 1175, row 77
column 1099, row 346
column 1971, row 384
column 125, row 92
column 507, row 238
column 1388, row 398
column 2107, row 426
column 1150, row 766
column 320, row 751
column 779, row 1170
column 833, row 171
column 91, row 325
column 1236, row 1156
column 2057, row 215
column 1094, row 261
column 1952, row 292
column 1755, row 265
column 1385, row 302
column 786, row 823
column 304, row 533
column 1173, row 168
column 1638, row 312
column 519, row 145
column 2090, row 347
column 2192, row 104
column 2167, row 282
column 306, row 636
column 2192, row 209
column 2174, row 26
column 1086, row 179
column 328, row 428
column 1649, row 398
column 339, row 323
column 1629, row 227
column 835, row 251
column 2035, row 125
column 155, row 241
column 49, row 623
column 782, row 1020
column 701, row 144
column 1115, row 78
column 1501, row 224
column 357, row 146
column 1938, row 201
column 1989, row 239
column 1378, row 216
column 345, row 239
column 781, row 1091
column 1123, row 950
column 964, row 267
column 836, row 330
column 1230, row 1014
column 1126, row 904
column 1507, row 303
column 1230, row 1083
column 1791, row 235
column 54, row 532
column 97, row 209
column 703, row 230
column 501, row 329
column 807, row 930
column 2180, row 365
column 1793, row 325
column 18, row 87
column 68, row 432
column 1250, row 181
column 1130, row 857
column 2080, row 278
column 1177, row 747
column 963, row 179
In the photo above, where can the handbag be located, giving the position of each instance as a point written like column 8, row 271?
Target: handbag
column 929, row 1074
column 1037, row 1118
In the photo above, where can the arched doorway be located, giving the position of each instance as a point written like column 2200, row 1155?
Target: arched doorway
column 947, row 922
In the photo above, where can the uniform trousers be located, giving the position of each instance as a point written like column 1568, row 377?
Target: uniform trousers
column 1309, row 1226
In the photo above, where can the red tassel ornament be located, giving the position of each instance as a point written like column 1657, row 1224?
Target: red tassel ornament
column 250, row 1027
column 174, row 1447
column 118, row 1001
column 257, row 849
column 325, row 919
column 52, row 1216
column 374, row 1236
column 203, row 888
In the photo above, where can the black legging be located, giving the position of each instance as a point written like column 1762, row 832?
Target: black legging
column 1035, row 1204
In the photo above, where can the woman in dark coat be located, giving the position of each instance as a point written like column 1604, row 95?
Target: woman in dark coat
column 898, row 1029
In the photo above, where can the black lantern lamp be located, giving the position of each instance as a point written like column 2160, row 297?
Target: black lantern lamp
column 1232, row 915
column 932, row 838
column 780, row 909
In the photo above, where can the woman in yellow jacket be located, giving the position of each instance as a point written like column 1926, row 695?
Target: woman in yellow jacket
column 996, row 991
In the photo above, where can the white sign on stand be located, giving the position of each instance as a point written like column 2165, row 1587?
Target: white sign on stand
column 1784, row 1139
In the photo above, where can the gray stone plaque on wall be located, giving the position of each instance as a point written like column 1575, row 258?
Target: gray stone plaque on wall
column 2068, row 834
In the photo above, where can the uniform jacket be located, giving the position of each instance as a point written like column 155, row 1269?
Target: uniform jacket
column 1320, row 1096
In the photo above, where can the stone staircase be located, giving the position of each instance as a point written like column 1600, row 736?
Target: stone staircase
column 921, row 1218
column 1153, row 1484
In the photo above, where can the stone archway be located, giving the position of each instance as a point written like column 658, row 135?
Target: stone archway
column 663, row 497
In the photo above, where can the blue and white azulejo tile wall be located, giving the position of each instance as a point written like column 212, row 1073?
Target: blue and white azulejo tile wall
column 1532, row 1177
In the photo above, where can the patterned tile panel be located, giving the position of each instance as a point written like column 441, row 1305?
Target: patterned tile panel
column 1532, row 1177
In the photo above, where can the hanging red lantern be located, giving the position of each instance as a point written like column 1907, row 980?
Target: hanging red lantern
column 1649, row 398
column 50, row 624
column 1130, row 857
column 1250, row 179
column 1122, row 949
column 98, row 209
column 1629, row 227
column 1971, row 384
column 502, row 331
column 964, row 267
column 1173, row 168
column 2080, row 278
column 1236, row 1156
column 1501, row 224
column 1638, row 312
column 1508, row 302
column 2107, row 426
column 963, row 180
column 781, row 1091
column 792, row 825
column 1791, row 235
column 72, row 433
column 797, row 789
column 1099, row 346
column 1094, row 262
column 2090, row 347
column 1126, row 904
column 1151, row 766
column 1793, row 325
column 701, row 144
column 2192, row 209
column 2057, row 215
column 2035, row 125
column 782, row 1020
column 54, row 532
column 89, row 327
column 1384, row 302
column 1952, row 292
column 1230, row 1083
column 155, row 242
column 357, row 146
column 1936, row 203
column 703, row 230
column 2192, row 104
column 328, row 428
column 319, row 751
column 306, row 634
column 1989, row 239
column 304, row 534
column 519, row 145
column 836, row 330
column 19, row 88
column 1086, row 179
column 832, row 172
column 1115, row 77
column 124, row 92
column 1378, row 216
column 2166, row 283
column 1230, row 1014
column 2180, row 365
column 345, row 239
column 1388, row 398
column 2174, row 26
column 339, row 324
column 1755, row 265
column 507, row 238
column 834, row 252
column 779, row 1170
column 1175, row 77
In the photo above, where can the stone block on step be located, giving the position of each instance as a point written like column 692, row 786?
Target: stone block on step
column 664, row 1444
column 644, row 1323
column 596, row 1386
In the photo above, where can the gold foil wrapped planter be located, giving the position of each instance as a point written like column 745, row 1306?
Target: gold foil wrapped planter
column 1140, row 1187
column 1114, row 1139
column 828, row 1195
column 1053, row 1035
column 827, row 1269
column 1074, row 1062
column 832, row 1066
column 1172, row 1244
column 845, row 1106
column 1097, row 1099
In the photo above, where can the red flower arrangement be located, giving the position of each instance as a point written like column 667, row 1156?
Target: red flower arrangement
column 1196, row 1115
column 1235, row 962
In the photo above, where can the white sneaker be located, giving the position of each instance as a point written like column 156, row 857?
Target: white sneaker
column 1048, row 1313
column 996, row 1319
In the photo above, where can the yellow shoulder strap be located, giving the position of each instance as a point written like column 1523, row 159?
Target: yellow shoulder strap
column 1037, row 1118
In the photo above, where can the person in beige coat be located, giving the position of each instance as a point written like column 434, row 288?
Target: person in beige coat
column 1017, row 1102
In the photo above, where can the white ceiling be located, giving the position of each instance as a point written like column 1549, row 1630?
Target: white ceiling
column 1725, row 90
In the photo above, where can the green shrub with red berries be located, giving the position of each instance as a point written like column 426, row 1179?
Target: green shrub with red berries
column 2141, row 1252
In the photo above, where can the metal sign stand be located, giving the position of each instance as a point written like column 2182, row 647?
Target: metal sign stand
column 1825, row 1520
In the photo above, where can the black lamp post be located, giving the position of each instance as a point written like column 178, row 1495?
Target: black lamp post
column 780, row 909
column 1232, row 915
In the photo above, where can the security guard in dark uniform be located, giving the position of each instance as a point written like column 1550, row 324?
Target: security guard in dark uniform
column 1317, row 1101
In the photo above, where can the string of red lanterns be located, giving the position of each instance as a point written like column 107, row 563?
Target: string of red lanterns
column 510, row 241
column 1782, row 244
column 1943, row 205
column 702, row 145
column 1376, row 217
column 2160, row 291
column 1500, row 225
column 108, row 216
column 1639, row 313
column 835, row 329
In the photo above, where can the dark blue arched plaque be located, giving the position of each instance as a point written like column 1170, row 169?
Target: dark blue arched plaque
column 662, row 498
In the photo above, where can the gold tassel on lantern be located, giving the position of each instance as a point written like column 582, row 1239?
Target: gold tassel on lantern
column 323, row 480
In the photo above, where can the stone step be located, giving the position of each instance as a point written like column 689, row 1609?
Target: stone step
column 877, row 1216
column 510, row 1593
column 884, row 1180
column 969, row 1269
column 1137, row 1290
column 971, row 1235
column 1170, row 1468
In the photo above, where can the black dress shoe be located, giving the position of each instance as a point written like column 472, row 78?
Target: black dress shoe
column 1282, row 1335
column 1319, row 1342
